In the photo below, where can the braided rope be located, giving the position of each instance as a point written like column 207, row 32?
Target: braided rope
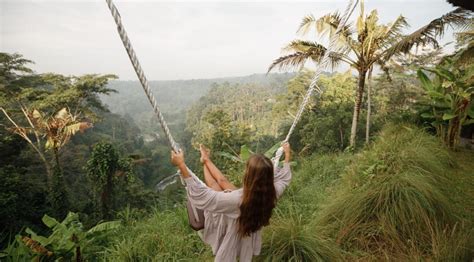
column 323, row 63
column 141, row 75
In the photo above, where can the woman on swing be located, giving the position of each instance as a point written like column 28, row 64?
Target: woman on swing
column 234, row 217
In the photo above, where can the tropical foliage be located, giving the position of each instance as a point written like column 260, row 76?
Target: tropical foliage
column 449, row 98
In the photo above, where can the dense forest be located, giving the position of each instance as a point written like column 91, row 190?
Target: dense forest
column 383, row 166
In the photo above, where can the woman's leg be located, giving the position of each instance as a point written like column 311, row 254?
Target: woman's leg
column 223, row 182
column 209, row 179
column 217, row 175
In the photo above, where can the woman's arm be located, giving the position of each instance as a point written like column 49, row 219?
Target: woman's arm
column 177, row 159
column 283, row 176
column 287, row 150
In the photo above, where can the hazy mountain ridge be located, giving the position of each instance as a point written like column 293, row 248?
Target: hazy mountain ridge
column 177, row 95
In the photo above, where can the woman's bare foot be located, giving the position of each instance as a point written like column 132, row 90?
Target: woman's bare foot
column 205, row 152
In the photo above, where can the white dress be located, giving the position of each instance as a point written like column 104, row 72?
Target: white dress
column 221, row 211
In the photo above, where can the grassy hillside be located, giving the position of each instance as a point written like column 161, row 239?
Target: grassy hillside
column 403, row 197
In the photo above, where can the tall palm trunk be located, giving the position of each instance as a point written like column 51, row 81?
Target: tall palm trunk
column 357, row 104
column 369, row 106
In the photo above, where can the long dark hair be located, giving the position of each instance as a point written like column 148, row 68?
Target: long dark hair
column 259, row 197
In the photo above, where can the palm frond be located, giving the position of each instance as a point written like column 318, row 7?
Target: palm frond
column 394, row 29
column 372, row 20
column 325, row 24
column 302, row 52
column 295, row 60
column 304, row 46
column 458, row 18
column 306, row 24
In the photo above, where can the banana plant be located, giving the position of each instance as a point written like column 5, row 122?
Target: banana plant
column 67, row 242
column 449, row 95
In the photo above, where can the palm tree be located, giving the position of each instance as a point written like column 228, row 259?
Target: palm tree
column 365, row 44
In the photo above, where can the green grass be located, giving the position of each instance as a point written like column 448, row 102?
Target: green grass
column 311, row 180
column 163, row 236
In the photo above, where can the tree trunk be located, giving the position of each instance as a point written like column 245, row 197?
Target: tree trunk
column 58, row 196
column 78, row 254
column 56, row 158
column 453, row 133
column 358, row 102
column 49, row 171
column 369, row 106
column 106, row 197
column 341, row 135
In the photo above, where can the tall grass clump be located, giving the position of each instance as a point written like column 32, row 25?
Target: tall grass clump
column 392, row 202
column 290, row 238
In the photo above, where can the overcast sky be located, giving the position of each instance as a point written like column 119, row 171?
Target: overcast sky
column 173, row 40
